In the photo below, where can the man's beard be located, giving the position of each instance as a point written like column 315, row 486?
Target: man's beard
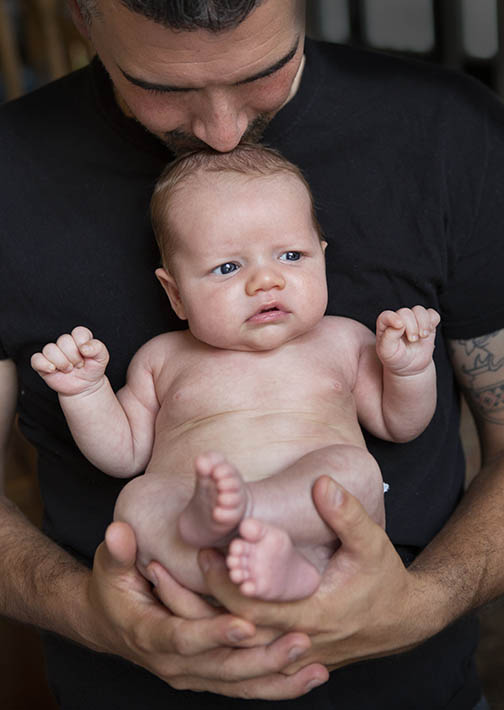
column 179, row 142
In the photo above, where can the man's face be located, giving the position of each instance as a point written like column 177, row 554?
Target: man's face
column 248, row 269
column 198, row 87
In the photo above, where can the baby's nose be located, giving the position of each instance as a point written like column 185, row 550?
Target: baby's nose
column 264, row 279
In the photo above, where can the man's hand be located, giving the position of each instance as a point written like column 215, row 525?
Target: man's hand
column 74, row 364
column 191, row 645
column 366, row 604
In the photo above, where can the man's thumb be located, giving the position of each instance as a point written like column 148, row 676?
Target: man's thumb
column 344, row 514
column 119, row 550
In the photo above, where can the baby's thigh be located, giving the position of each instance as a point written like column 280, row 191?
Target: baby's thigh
column 151, row 504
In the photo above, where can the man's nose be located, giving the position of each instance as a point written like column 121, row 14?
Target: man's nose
column 219, row 121
column 264, row 278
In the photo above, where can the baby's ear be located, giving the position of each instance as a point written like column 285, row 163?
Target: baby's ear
column 169, row 284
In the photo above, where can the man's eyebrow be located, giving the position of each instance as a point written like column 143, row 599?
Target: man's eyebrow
column 274, row 68
column 152, row 86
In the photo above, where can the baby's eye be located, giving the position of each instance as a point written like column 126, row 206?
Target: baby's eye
column 291, row 256
column 226, row 268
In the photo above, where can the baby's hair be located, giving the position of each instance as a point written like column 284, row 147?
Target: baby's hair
column 251, row 160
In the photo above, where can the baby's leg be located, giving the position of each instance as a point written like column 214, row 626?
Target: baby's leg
column 264, row 560
column 211, row 514
column 285, row 498
column 219, row 503
column 151, row 504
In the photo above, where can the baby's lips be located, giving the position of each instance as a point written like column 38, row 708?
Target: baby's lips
column 270, row 306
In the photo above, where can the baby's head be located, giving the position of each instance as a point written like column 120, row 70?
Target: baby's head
column 246, row 161
column 238, row 235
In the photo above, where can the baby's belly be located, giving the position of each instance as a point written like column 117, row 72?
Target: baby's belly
column 258, row 445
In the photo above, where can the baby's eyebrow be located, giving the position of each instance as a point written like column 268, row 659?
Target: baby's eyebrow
column 153, row 86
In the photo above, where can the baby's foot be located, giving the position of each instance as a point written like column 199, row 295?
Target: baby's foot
column 266, row 565
column 218, row 504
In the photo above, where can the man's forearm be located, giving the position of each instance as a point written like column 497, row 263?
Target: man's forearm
column 40, row 583
column 465, row 561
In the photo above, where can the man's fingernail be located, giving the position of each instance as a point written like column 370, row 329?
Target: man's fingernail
column 334, row 493
column 236, row 635
column 295, row 653
column 152, row 578
column 205, row 561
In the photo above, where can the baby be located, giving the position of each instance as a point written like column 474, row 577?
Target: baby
column 235, row 418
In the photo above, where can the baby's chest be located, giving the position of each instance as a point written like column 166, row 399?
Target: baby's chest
column 246, row 382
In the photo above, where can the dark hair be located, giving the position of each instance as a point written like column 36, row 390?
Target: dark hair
column 212, row 15
column 250, row 159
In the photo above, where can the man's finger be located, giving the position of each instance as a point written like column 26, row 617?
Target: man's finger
column 119, row 551
column 188, row 638
column 236, row 664
column 272, row 687
column 160, row 631
column 115, row 561
column 226, row 630
column 180, row 600
column 344, row 514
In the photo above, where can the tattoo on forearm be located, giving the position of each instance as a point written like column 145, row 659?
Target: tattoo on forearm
column 484, row 375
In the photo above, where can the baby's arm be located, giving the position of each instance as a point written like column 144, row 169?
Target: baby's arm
column 407, row 383
column 115, row 433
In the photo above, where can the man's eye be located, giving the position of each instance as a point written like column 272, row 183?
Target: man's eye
column 291, row 256
column 226, row 268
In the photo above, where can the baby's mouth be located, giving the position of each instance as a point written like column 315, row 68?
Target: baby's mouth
column 268, row 313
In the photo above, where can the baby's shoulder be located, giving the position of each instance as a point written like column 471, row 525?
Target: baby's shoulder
column 342, row 327
column 166, row 345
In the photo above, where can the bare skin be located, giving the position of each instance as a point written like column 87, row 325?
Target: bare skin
column 219, row 503
column 153, row 508
column 263, row 559
column 222, row 500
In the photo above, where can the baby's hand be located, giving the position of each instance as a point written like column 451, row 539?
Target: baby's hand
column 74, row 364
column 405, row 339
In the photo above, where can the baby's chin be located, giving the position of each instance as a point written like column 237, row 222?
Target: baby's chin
column 267, row 343
column 245, row 346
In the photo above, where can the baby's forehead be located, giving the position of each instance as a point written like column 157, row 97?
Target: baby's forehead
column 212, row 180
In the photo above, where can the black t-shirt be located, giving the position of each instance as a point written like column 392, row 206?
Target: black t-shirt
column 404, row 161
